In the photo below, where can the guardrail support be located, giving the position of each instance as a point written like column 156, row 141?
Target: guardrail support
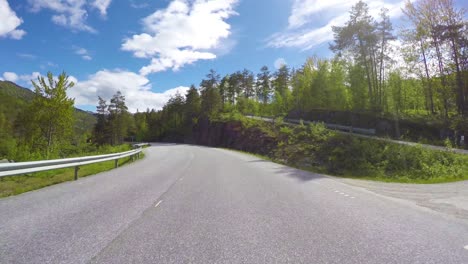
column 116, row 163
column 77, row 168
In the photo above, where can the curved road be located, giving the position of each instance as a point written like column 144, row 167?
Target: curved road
column 189, row 204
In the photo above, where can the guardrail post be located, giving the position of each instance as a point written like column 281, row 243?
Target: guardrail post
column 116, row 163
column 77, row 168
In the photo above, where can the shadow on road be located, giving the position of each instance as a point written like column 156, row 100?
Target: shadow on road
column 299, row 174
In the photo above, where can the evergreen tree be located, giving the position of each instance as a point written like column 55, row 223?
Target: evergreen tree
column 264, row 85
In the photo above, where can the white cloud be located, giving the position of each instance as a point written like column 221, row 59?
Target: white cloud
column 135, row 88
column 27, row 78
column 102, row 6
column 9, row 22
column 84, row 53
column 24, row 79
column 183, row 33
column 10, row 76
column 71, row 13
column 303, row 32
column 105, row 83
column 280, row 62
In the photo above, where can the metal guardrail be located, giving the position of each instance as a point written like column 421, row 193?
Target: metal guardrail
column 11, row 169
column 140, row 145
column 349, row 129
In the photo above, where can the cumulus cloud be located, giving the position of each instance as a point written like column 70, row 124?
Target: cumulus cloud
column 23, row 79
column 10, row 76
column 310, row 23
column 135, row 88
column 183, row 33
column 71, row 13
column 105, row 83
column 10, row 22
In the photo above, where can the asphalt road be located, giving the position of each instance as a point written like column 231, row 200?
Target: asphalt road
column 189, row 204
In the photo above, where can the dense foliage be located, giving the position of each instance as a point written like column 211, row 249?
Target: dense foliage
column 317, row 148
column 41, row 124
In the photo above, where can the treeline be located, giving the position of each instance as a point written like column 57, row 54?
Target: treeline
column 425, row 78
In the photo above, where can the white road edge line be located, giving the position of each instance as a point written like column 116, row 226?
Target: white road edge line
column 466, row 247
column 158, row 203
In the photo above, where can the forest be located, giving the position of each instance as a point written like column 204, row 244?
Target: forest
column 418, row 74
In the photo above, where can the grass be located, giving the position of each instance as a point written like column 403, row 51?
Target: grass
column 13, row 185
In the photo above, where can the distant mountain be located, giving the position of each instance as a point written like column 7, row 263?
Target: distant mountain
column 14, row 90
column 14, row 98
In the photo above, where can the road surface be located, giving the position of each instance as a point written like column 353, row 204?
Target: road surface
column 190, row 204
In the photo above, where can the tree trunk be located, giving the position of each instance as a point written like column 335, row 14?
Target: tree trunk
column 426, row 68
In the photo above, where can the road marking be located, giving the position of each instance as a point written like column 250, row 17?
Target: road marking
column 346, row 195
column 466, row 247
column 158, row 203
column 341, row 193
column 352, row 197
column 337, row 191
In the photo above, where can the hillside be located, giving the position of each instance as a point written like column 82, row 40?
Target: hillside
column 14, row 98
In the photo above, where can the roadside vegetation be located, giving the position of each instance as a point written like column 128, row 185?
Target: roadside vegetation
column 45, row 125
column 314, row 147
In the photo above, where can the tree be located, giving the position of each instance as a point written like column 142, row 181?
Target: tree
column 119, row 118
column 281, row 81
column 384, row 31
column 224, row 90
column 7, row 141
column 101, row 128
column 211, row 101
column 247, row 83
column 264, row 85
column 192, row 106
column 359, row 39
column 51, row 114
column 338, row 91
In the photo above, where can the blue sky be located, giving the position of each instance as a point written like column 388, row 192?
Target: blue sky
column 151, row 49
